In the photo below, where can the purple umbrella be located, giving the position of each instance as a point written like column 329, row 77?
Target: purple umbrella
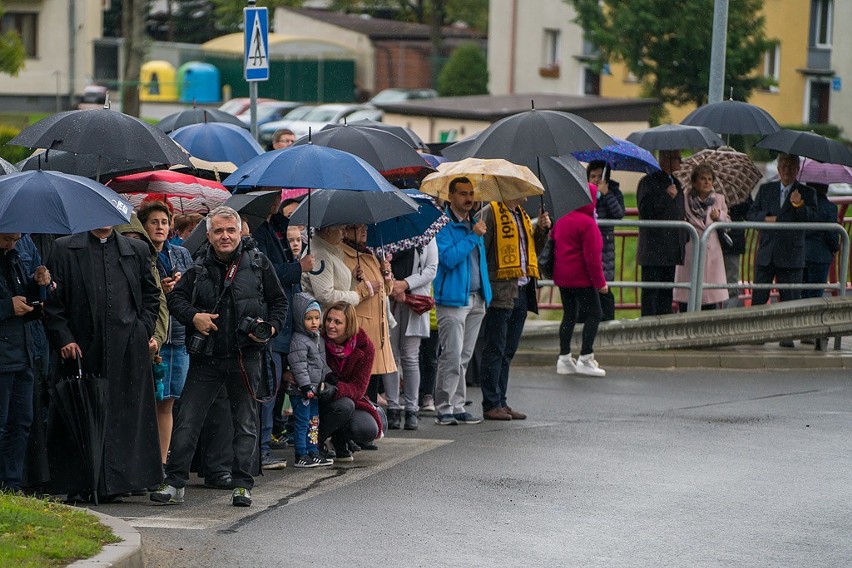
column 623, row 156
column 819, row 172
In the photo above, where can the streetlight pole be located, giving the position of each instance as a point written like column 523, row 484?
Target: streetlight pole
column 717, row 53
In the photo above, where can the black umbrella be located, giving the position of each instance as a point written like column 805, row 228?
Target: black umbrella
column 327, row 207
column 523, row 137
column 102, row 132
column 7, row 168
column 675, row 137
column 196, row 116
column 732, row 117
column 386, row 152
column 808, row 144
column 567, row 187
column 86, row 165
column 253, row 208
column 403, row 132
column 81, row 402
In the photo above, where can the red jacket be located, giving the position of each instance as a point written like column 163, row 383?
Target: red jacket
column 577, row 256
column 353, row 375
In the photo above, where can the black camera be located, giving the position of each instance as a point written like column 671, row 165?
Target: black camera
column 257, row 327
column 196, row 343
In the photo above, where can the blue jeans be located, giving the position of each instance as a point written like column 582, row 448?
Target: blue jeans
column 16, row 417
column 206, row 376
column 177, row 362
column 503, row 334
column 279, row 361
column 307, row 424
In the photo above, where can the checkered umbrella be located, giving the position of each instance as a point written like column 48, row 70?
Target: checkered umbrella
column 736, row 174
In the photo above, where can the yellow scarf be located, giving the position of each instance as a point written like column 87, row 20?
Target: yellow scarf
column 508, row 243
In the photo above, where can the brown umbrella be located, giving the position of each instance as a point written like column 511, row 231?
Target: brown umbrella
column 736, row 174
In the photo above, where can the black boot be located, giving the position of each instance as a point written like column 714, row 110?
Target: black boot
column 410, row 420
column 393, row 419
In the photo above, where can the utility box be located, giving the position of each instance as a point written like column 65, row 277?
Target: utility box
column 200, row 83
column 158, row 82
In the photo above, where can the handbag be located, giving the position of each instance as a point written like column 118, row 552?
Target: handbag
column 418, row 303
column 545, row 259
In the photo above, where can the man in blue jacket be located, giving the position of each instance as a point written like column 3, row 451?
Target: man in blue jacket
column 18, row 290
column 462, row 292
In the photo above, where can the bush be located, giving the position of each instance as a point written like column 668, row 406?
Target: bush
column 11, row 153
column 465, row 73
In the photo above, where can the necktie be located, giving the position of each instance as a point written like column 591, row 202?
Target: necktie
column 784, row 191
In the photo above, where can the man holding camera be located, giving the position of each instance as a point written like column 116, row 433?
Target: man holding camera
column 234, row 302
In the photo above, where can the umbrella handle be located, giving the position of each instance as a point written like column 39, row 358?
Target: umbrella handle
column 79, row 366
column 321, row 268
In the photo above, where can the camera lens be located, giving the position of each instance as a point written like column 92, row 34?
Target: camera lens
column 262, row 330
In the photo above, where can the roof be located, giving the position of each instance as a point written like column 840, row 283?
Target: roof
column 495, row 107
column 380, row 28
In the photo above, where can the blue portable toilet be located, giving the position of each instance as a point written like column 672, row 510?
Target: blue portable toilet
column 199, row 82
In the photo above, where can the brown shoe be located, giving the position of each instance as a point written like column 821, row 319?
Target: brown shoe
column 515, row 414
column 496, row 414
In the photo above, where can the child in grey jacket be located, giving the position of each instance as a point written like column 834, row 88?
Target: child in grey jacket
column 307, row 363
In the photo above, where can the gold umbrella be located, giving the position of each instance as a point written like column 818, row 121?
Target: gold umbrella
column 736, row 174
column 492, row 179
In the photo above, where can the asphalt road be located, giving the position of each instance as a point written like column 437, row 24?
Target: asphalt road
column 643, row 468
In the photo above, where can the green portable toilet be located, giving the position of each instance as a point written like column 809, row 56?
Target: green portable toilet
column 199, row 82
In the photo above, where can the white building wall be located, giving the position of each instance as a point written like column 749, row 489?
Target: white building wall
column 531, row 18
column 840, row 109
column 53, row 51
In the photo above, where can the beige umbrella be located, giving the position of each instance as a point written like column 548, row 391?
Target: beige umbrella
column 736, row 174
column 492, row 179
column 210, row 170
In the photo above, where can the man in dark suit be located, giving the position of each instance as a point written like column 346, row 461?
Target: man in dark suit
column 781, row 254
column 660, row 198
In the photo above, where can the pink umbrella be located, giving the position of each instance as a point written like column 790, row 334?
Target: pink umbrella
column 293, row 193
column 819, row 172
column 186, row 193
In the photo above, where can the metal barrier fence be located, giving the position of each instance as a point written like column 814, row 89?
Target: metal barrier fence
column 720, row 225
column 838, row 278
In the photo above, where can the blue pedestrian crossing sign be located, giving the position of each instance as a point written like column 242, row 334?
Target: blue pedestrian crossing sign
column 256, row 33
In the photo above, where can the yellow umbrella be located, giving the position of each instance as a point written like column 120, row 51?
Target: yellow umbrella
column 492, row 179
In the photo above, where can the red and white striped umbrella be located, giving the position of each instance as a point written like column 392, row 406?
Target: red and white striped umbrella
column 186, row 193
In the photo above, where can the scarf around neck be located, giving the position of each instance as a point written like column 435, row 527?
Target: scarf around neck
column 340, row 352
column 508, row 244
column 698, row 207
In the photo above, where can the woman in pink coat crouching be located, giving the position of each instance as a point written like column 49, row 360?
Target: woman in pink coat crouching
column 578, row 271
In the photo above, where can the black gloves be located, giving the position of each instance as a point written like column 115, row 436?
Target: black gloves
column 308, row 391
column 326, row 391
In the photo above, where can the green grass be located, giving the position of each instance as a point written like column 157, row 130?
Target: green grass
column 36, row 533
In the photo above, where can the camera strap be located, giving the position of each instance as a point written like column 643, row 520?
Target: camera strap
column 230, row 274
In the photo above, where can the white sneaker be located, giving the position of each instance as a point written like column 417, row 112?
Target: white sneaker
column 566, row 365
column 586, row 365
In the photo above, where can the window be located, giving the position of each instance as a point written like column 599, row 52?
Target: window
column 823, row 13
column 591, row 82
column 24, row 24
column 772, row 66
column 551, row 48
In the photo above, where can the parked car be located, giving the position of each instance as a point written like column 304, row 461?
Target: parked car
column 239, row 105
column 94, row 96
column 269, row 111
column 319, row 117
column 266, row 131
column 400, row 95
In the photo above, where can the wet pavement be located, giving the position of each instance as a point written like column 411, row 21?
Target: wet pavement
column 642, row 468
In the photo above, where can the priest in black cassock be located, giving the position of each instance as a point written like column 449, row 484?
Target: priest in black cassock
column 103, row 310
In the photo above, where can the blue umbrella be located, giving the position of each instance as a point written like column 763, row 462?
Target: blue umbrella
column 309, row 166
column 217, row 142
column 408, row 231
column 57, row 203
column 623, row 156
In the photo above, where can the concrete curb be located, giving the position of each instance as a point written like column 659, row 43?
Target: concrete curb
column 757, row 358
column 125, row 554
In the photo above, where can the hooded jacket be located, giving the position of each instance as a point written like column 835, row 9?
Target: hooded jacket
column 307, row 350
column 577, row 256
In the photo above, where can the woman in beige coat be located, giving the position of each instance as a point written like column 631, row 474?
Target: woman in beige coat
column 331, row 281
column 373, row 310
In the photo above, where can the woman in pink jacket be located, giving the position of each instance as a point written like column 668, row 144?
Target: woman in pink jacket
column 578, row 271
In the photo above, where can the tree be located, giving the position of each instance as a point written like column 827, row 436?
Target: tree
column 667, row 46
column 466, row 73
column 133, row 32
column 229, row 13
column 13, row 55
